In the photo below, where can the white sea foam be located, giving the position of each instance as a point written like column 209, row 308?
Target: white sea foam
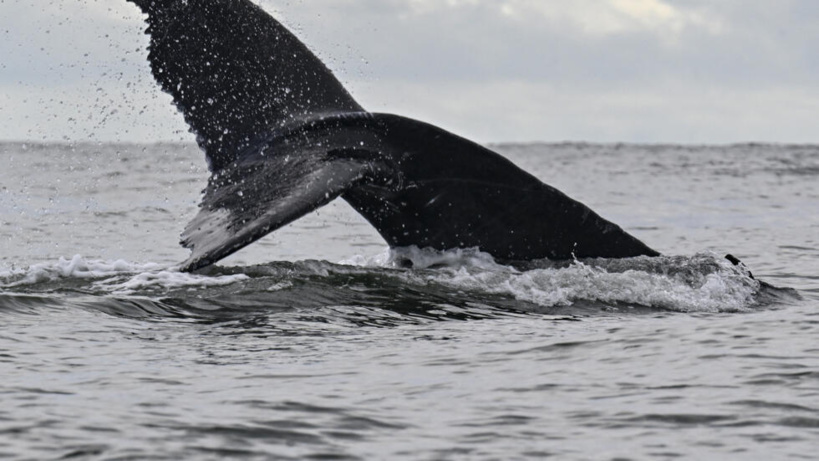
column 77, row 267
column 424, row 258
column 168, row 279
column 378, row 260
column 108, row 275
column 714, row 292
column 699, row 283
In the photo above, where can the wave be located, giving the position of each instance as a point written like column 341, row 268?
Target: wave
column 407, row 284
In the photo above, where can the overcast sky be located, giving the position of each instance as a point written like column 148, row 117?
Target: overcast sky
column 681, row 71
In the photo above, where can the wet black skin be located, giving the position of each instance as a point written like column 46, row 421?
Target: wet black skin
column 283, row 137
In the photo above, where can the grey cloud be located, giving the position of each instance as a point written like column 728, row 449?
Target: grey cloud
column 762, row 42
column 750, row 64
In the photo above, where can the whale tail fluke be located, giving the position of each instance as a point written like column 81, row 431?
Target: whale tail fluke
column 261, row 194
column 151, row 6
column 236, row 73
column 283, row 137
column 415, row 183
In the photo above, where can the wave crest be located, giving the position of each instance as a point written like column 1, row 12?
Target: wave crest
column 411, row 278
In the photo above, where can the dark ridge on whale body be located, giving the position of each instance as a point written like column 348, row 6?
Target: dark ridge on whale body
column 283, row 137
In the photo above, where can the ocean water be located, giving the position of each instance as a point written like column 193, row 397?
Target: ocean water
column 318, row 343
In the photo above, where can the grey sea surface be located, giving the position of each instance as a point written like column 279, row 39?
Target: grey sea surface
column 318, row 343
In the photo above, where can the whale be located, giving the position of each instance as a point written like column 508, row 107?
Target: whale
column 283, row 137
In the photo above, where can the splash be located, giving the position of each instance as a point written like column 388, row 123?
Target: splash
column 701, row 283
column 427, row 258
